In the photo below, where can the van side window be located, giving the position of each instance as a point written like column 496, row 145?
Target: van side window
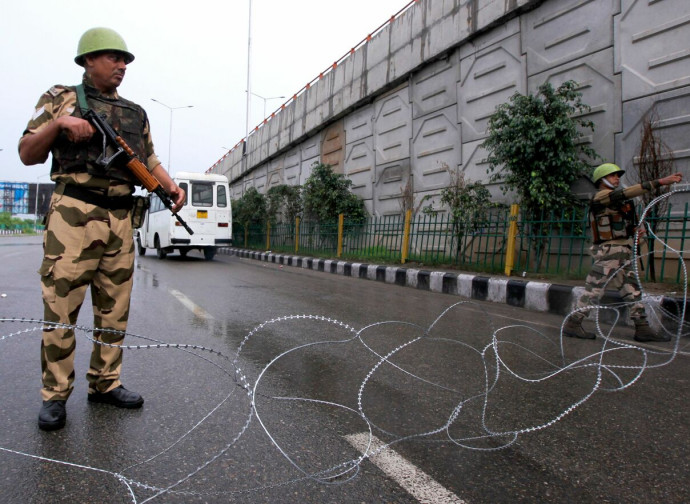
column 183, row 186
column 202, row 194
column 222, row 199
column 155, row 203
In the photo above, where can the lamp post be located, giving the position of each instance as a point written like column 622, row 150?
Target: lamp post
column 266, row 99
column 249, row 80
column 171, row 122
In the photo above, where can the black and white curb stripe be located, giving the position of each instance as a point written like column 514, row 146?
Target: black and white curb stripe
column 537, row 296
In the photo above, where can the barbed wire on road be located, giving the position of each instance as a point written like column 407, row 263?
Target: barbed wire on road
column 465, row 385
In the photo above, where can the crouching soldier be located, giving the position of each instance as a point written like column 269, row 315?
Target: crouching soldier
column 613, row 222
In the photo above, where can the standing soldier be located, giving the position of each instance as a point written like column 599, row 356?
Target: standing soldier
column 88, row 239
column 612, row 217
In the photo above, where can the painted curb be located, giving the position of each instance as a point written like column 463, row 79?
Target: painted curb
column 536, row 296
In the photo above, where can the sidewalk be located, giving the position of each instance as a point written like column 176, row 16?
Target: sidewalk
column 557, row 298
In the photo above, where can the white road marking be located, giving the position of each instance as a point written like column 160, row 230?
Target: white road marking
column 191, row 306
column 416, row 482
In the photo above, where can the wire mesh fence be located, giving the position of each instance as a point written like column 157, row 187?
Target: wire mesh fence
column 554, row 243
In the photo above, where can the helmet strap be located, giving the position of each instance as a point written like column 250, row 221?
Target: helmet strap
column 607, row 183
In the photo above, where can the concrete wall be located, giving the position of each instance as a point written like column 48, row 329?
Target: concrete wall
column 415, row 100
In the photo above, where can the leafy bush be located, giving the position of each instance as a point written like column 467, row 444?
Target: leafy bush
column 326, row 194
column 250, row 208
column 534, row 146
column 284, row 201
column 467, row 202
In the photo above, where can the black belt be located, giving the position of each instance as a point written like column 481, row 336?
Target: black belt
column 101, row 200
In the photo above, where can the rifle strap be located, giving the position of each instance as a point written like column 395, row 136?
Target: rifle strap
column 81, row 98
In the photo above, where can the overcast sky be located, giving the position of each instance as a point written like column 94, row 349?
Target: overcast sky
column 186, row 54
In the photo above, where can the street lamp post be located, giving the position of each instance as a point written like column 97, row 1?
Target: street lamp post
column 171, row 123
column 266, row 99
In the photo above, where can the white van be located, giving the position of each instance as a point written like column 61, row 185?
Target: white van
column 206, row 210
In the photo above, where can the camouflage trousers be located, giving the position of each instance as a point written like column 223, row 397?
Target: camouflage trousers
column 612, row 269
column 84, row 245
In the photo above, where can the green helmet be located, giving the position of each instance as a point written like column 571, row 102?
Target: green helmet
column 605, row 170
column 101, row 39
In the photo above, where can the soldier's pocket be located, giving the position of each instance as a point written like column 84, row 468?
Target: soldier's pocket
column 47, row 271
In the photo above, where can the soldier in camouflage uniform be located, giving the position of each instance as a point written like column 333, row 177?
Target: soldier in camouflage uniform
column 88, row 239
column 612, row 218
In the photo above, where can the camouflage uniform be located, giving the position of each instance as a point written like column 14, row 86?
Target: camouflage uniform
column 612, row 257
column 87, row 244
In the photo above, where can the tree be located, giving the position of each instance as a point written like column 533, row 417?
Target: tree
column 250, row 208
column 534, row 146
column 467, row 202
column 655, row 161
column 326, row 194
column 284, row 201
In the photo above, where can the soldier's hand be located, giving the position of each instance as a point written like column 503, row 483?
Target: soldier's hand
column 671, row 179
column 178, row 196
column 77, row 130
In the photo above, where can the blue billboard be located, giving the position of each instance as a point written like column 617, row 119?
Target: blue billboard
column 14, row 197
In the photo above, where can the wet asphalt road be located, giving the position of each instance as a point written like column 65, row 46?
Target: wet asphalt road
column 482, row 398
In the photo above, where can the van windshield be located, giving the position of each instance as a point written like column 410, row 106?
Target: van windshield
column 202, row 194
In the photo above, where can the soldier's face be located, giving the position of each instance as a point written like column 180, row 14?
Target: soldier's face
column 614, row 179
column 107, row 69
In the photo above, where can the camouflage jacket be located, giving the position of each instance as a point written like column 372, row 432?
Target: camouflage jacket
column 612, row 213
column 76, row 163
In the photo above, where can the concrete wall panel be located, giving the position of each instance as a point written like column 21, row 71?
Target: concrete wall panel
column 490, row 38
column 563, row 30
column 389, row 184
column 433, row 88
column 653, row 53
column 436, row 148
column 488, row 78
column 393, row 126
column 274, row 173
column 359, row 124
column 261, row 179
column 600, row 89
column 474, row 168
column 359, row 166
column 333, row 146
column 306, row 169
column 310, row 147
column 671, row 125
column 292, row 166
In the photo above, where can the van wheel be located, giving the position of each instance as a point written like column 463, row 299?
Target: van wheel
column 183, row 252
column 209, row 253
column 140, row 249
column 160, row 253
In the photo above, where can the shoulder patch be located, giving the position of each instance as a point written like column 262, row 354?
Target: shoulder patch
column 57, row 90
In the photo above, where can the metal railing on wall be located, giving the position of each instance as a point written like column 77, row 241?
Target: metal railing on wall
column 501, row 240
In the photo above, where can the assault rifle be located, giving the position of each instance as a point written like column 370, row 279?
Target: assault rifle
column 138, row 168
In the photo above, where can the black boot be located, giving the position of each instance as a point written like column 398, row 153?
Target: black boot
column 645, row 333
column 119, row 396
column 52, row 415
column 574, row 329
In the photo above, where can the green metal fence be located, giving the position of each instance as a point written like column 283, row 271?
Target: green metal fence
column 553, row 244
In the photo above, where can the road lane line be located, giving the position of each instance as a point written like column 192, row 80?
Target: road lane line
column 191, row 306
column 415, row 481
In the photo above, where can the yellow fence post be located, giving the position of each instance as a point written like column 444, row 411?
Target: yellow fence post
column 341, row 221
column 268, row 235
column 406, row 237
column 296, row 234
column 512, row 234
